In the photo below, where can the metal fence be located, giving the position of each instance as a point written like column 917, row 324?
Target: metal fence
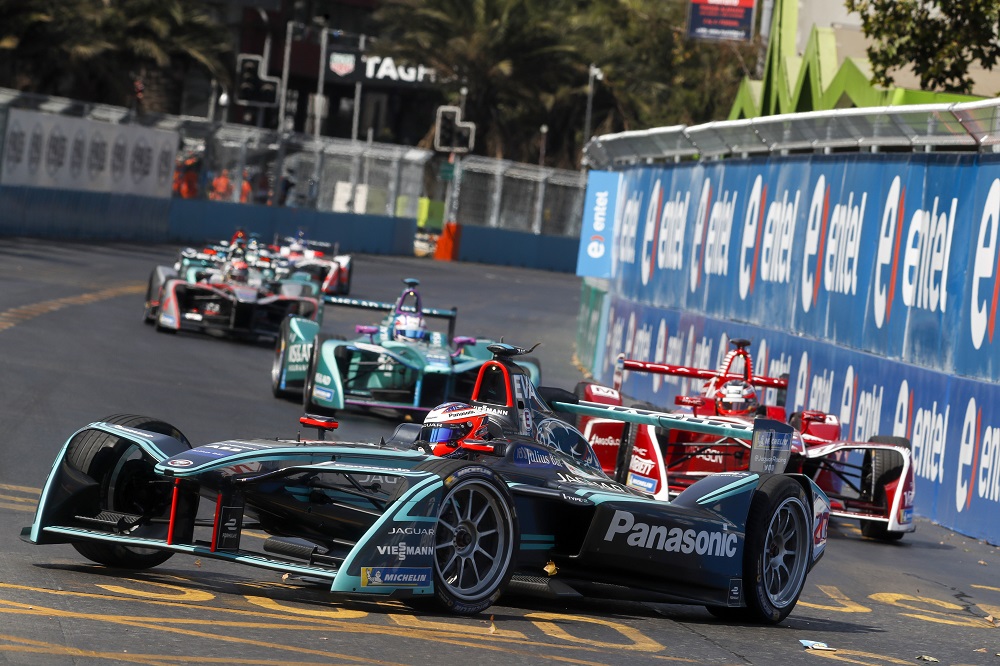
column 519, row 197
column 973, row 126
column 342, row 175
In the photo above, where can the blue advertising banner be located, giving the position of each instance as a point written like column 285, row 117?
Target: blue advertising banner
column 871, row 280
column 596, row 231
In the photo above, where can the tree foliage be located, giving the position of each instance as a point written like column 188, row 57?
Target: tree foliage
column 939, row 39
column 95, row 50
column 526, row 63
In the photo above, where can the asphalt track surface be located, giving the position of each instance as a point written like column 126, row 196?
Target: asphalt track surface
column 73, row 350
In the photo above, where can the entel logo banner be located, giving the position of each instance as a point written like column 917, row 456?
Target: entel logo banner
column 766, row 248
column 983, row 306
column 926, row 254
column 978, row 460
column 832, row 245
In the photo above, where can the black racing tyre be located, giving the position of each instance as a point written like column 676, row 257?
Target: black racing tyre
column 152, row 293
column 308, row 405
column 345, row 288
column 475, row 537
column 280, row 356
column 881, row 468
column 123, row 474
column 777, row 551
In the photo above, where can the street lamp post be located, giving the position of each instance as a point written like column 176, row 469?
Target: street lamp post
column 595, row 74
column 544, row 129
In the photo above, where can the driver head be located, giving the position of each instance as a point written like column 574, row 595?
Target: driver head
column 447, row 427
column 736, row 398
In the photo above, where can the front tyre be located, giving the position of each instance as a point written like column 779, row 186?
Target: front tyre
column 880, row 468
column 475, row 537
column 778, row 550
column 125, row 478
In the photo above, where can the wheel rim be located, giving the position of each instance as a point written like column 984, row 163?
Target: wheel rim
column 473, row 540
column 786, row 553
column 126, row 485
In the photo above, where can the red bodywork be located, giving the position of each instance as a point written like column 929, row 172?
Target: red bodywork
column 872, row 481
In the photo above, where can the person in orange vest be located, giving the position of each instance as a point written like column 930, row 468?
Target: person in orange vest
column 189, row 184
column 245, row 188
column 222, row 187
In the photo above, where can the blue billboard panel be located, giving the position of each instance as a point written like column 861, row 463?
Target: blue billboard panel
column 597, row 228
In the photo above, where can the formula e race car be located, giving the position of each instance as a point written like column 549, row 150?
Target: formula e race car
column 398, row 367
column 321, row 261
column 517, row 502
column 232, row 290
column 870, row 481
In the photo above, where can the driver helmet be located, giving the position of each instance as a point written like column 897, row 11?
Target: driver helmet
column 736, row 398
column 409, row 327
column 238, row 272
column 448, row 426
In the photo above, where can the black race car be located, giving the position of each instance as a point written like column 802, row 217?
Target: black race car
column 493, row 494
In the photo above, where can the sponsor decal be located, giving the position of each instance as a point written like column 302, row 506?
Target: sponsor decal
column 527, row 456
column 251, row 467
column 55, row 150
column 180, row 462
column 342, row 64
column 141, row 162
column 637, row 534
column 15, row 144
column 596, row 247
column 735, row 591
column 386, row 69
column 813, row 391
column 712, row 231
column 860, row 408
column 322, row 393
column 766, row 247
column 605, row 441
column 137, row 433
column 640, row 465
column 412, row 531
column 642, row 482
column 832, row 245
column 119, row 157
column 97, row 155
column 404, row 550
column 983, row 310
column 926, row 427
column 663, row 233
column 397, row 577
column 926, row 251
column 35, row 148
column 575, row 499
column 604, row 392
column 300, row 352
column 978, row 473
column 562, row 477
column 78, row 154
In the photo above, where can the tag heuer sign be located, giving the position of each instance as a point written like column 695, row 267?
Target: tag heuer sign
column 342, row 64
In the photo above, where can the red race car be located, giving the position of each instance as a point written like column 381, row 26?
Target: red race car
column 870, row 481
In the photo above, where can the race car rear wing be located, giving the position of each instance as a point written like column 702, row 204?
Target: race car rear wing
column 694, row 373
column 451, row 315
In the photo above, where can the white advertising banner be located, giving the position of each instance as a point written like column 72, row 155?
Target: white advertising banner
column 67, row 153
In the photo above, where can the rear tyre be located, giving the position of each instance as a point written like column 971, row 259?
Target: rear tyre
column 474, row 540
column 345, row 288
column 308, row 405
column 279, row 362
column 777, row 552
column 879, row 469
column 123, row 474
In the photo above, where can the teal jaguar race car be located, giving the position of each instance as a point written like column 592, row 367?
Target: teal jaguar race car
column 398, row 367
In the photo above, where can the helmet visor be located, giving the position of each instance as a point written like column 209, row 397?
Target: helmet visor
column 445, row 433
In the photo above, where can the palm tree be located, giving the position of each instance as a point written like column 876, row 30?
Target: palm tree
column 511, row 55
column 95, row 50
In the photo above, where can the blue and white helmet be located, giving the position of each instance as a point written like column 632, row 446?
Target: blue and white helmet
column 409, row 327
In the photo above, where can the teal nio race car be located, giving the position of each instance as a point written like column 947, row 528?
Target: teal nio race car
column 397, row 367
